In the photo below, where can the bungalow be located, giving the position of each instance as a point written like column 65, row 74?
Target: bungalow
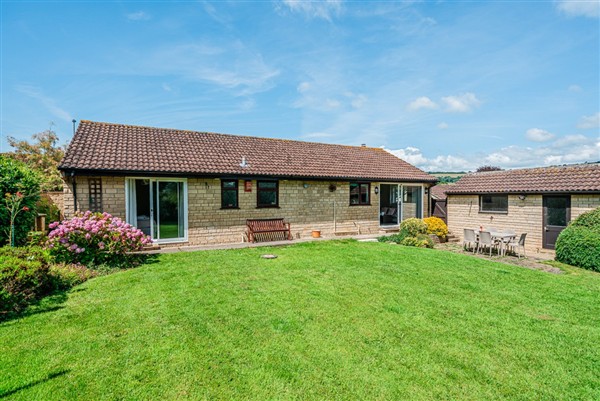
column 537, row 201
column 194, row 188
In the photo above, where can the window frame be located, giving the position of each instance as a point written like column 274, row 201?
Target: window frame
column 237, row 194
column 259, row 190
column 482, row 210
column 360, row 184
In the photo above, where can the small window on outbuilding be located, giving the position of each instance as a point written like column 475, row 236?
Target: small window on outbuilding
column 229, row 194
column 493, row 203
column 360, row 193
column 95, row 192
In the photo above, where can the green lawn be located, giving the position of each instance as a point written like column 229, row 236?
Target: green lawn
column 325, row 320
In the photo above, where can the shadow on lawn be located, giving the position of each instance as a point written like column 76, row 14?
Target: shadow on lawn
column 49, row 303
column 50, row 376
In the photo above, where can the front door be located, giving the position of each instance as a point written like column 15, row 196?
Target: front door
column 557, row 214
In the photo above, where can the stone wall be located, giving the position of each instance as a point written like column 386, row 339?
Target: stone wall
column 55, row 198
column 113, row 196
column 524, row 216
column 307, row 209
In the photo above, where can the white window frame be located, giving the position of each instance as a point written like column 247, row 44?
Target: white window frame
column 130, row 206
column 401, row 186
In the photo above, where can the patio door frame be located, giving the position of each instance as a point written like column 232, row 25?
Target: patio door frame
column 131, row 206
column 400, row 202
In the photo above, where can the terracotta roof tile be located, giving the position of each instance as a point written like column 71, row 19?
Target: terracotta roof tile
column 439, row 191
column 126, row 148
column 568, row 178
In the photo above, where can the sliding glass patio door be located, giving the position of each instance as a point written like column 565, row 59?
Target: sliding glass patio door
column 158, row 207
column 398, row 202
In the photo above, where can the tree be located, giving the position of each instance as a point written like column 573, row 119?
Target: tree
column 20, row 188
column 43, row 155
column 488, row 168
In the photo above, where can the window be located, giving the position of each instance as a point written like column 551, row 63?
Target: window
column 267, row 194
column 493, row 203
column 229, row 194
column 95, row 193
column 359, row 193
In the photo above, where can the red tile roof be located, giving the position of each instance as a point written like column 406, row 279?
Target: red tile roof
column 568, row 178
column 122, row 149
column 439, row 191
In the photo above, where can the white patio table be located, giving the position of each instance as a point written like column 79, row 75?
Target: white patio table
column 503, row 238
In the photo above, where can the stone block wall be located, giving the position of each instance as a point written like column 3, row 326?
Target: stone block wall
column 524, row 216
column 312, row 208
column 113, row 195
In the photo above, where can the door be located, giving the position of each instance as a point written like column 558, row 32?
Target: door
column 158, row 207
column 389, row 204
column 557, row 214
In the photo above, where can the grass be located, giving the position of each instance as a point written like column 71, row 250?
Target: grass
column 325, row 320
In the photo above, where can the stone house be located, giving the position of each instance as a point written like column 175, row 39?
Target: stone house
column 194, row 188
column 537, row 201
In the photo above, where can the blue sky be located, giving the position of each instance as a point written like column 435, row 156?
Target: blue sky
column 445, row 85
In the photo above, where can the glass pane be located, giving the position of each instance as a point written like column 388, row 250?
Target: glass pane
column 556, row 211
column 354, row 194
column 412, row 205
column 142, row 205
column 364, row 193
column 229, row 184
column 229, row 198
column 494, row 203
column 170, row 198
column 267, row 185
column 267, row 198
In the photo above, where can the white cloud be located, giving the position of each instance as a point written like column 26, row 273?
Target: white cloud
column 461, row 103
column 138, row 16
column 538, row 135
column 422, row 102
column 567, row 149
column 323, row 9
column 303, row 87
column 442, row 125
column 228, row 65
column 589, row 122
column 579, row 8
column 49, row 103
column 575, row 88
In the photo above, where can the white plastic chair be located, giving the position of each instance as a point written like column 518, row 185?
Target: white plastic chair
column 470, row 239
column 485, row 240
column 515, row 245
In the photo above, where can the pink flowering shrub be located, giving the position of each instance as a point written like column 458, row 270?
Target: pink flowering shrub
column 94, row 239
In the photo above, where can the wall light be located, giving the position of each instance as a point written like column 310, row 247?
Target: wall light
column 306, row 185
column 376, row 190
column 522, row 197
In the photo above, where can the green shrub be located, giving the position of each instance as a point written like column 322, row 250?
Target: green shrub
column 413, row 232
column 24, row 277
column 420, row 240
column 413, row 227
column 27, row 274
column 579, row 246
column 436, row 226
column 66, row 276
column 590, row 220
column 397, row 238
column 17, row 177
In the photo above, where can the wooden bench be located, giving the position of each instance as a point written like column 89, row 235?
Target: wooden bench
column 268, row 230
